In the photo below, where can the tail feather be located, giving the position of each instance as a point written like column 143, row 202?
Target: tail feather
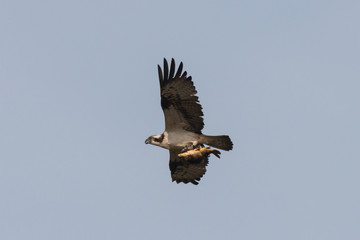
column 221, row 142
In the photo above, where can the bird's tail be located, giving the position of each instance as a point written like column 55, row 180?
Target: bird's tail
column 221, row 142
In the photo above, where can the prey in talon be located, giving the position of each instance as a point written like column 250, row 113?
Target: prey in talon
column 198, row 153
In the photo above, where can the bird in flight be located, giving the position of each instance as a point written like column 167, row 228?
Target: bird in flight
column 183, row 124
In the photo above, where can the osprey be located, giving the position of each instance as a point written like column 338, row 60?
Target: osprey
column 183, row 125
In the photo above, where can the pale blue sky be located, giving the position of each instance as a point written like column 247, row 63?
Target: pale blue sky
column 79, row 95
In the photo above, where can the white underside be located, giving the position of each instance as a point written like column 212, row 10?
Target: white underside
column 179, row 139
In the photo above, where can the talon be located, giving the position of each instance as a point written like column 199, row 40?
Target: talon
column 188, row 147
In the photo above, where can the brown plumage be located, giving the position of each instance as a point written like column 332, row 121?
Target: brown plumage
column 183, row 126
column 178, row 94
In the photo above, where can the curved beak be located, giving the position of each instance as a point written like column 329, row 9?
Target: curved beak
column 147, row 141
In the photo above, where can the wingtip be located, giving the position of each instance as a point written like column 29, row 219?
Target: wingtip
column 195, row 182
column 178, row 73
column 184, row 74
column 161, row 78
column 172, row 68
column 166, row 70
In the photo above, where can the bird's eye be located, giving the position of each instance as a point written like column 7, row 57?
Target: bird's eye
column 156, row 139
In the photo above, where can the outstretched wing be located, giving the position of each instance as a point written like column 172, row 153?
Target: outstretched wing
column 187, row 171
column 180, row 105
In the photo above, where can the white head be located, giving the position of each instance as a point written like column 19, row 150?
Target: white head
column 155, row 139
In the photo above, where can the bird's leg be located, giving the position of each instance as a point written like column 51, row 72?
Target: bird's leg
column 197, row 145
column 187, row 147
column 190, row 146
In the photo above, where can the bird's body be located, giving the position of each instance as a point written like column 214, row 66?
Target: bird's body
column 177, row 139
column 183, row 125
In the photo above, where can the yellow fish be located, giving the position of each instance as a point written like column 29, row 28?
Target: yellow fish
column 198, row 153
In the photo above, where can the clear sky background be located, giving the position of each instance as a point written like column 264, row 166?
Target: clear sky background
column 79, row 94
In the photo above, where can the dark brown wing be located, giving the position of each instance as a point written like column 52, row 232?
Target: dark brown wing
column 187, row 171
column 180, row 105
